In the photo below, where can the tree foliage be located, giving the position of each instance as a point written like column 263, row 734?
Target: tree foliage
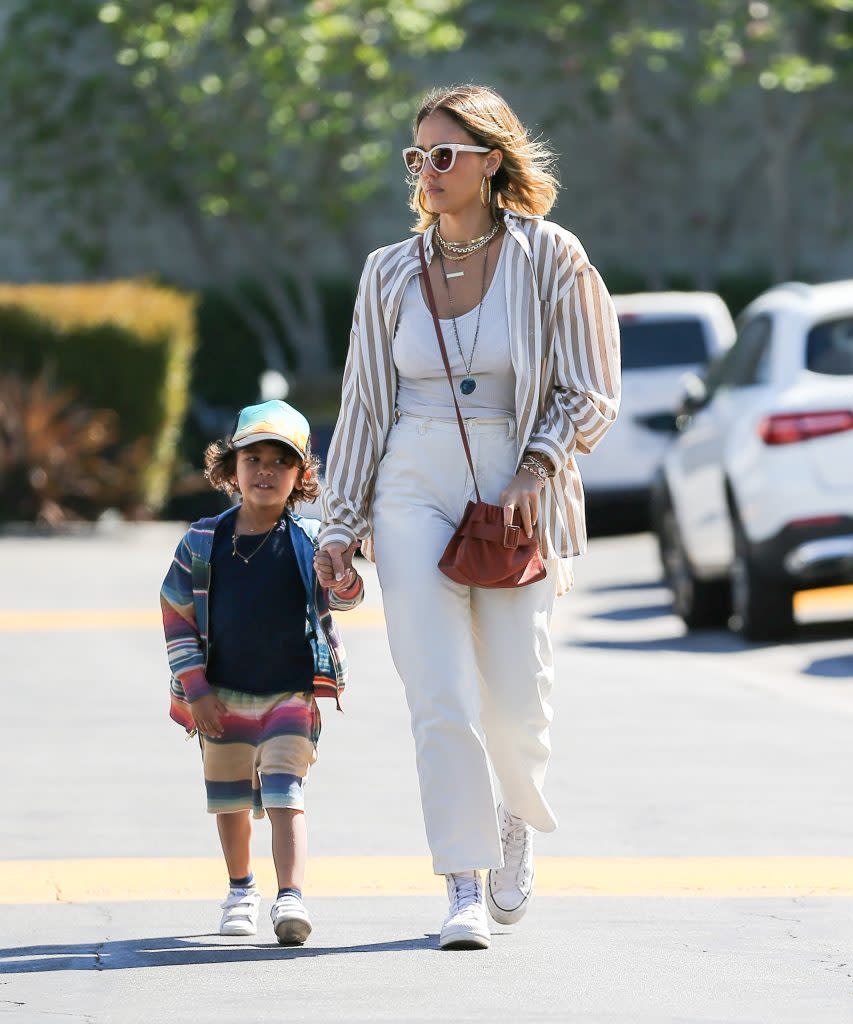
column 268, row 123
column 673, row 87
column 265, row 127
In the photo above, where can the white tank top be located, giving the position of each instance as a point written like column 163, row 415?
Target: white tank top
column 422, row 387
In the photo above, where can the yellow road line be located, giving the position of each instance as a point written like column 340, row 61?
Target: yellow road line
column 828, row 599
column 832, row 599
column 51, row 620
column 127, row 879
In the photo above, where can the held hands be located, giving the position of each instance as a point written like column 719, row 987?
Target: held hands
column 522, row 493
column 333, row 565
column 207, row 714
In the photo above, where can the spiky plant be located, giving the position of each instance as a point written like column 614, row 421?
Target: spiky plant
column 58, row 460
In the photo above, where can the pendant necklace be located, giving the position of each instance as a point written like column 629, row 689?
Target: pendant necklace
column 236, row 554
column 467, row 385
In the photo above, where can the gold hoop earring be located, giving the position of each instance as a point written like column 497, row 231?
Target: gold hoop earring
column 487, row 198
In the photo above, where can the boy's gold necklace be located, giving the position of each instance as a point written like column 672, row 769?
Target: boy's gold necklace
column 235, row 552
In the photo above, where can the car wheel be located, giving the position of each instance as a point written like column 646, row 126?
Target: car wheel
column 702, row 604
column 762, row 603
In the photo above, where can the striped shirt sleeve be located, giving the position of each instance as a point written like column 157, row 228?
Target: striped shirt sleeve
column 184, row 647
column 586, row 384
column 352, row 458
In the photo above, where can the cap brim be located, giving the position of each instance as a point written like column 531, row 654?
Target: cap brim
column 244, row 442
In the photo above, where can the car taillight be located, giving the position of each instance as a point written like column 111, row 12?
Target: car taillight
column 811, row 521
column 789, row 428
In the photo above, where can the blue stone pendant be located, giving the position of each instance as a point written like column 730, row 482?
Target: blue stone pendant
column 467, row 385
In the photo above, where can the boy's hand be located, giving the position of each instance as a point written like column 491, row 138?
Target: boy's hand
column 333, row 565
column 207, row 714
column 350, row 582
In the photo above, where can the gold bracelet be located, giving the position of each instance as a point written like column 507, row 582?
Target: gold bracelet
column 539, row 459
column 535, row 468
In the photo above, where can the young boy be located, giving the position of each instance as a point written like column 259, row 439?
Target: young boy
column 251, row 644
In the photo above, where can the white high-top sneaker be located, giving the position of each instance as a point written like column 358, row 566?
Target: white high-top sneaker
column 466, row 925
column 508, row 889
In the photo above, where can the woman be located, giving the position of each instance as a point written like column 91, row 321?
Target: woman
column 532, row 339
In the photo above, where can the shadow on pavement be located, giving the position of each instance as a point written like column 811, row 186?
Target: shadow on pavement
column 618, row 588
column 831, row 668
column 717, row 642
column 724, row 641
column 176, row 951
column 643, row 611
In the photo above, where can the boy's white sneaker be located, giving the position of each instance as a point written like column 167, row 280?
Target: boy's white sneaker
column 508, row 889
column 466, row 925
column 240, row 912
column 290, row 920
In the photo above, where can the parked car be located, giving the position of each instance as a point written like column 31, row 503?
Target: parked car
column 754, row 499
column 664, row 335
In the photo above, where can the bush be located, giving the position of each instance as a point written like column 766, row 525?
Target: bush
column 60, row 460
column 123, row 346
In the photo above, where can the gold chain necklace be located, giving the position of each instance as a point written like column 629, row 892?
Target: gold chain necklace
column 236, row 553
column 468, row 384
column 462, row 250
column 481, row 240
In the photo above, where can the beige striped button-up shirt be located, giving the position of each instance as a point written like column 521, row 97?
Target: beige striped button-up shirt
column 564, row 338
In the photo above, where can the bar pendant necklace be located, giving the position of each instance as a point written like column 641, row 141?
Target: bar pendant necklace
column 467, row 385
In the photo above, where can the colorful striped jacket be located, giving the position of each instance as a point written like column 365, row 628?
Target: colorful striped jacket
column 184, row 603
column 564, row 338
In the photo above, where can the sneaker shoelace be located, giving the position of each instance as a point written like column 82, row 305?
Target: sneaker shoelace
column 467, row 892
column 516, row 835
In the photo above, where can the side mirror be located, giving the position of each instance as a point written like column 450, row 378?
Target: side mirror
column 694, row 397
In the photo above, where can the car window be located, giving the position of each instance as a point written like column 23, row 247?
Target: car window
column 748, row 361
column 829, row 347
column 649, row 343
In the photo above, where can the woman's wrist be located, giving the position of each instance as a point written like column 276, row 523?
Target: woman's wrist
column 540, row 459
column 535, row 469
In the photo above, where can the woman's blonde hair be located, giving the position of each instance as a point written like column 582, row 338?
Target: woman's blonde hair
column 525, row 180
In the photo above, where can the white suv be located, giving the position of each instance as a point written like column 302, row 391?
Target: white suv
column 664, row 335
column 755, row 498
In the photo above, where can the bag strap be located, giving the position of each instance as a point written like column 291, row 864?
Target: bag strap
column 446, row 361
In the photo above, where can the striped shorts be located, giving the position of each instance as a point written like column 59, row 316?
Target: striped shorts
column 269, row 742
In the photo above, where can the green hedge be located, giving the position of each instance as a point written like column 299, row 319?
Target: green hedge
column 124, row 346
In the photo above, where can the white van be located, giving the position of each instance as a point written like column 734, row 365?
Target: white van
column 664, row 337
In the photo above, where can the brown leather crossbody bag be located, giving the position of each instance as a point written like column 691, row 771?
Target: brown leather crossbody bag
column 483, row 552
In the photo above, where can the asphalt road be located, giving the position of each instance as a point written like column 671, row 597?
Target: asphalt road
column 703, row 870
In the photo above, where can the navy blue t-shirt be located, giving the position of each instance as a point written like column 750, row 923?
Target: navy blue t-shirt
column 258, row 614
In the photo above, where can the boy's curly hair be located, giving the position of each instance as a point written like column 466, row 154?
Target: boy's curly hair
column 220, row 468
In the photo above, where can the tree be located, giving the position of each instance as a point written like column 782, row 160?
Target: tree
column 675, row 84
column 260, row 124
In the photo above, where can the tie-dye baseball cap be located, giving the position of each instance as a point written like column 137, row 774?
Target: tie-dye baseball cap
column 271, row 421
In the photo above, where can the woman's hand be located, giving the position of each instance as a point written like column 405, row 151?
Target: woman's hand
column 522, row 493
column 207, row 714
column 333, row 565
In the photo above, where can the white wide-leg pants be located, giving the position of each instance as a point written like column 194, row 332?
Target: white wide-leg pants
column 476, row 664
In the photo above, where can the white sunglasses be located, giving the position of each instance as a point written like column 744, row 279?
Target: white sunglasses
column 442, row 157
